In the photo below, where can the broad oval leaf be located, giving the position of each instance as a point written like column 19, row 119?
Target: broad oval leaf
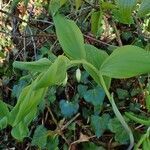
column 70, row 37
column 31, row 101
column 55, row 75
column 54, row 5
column 144, row 8
column 125, row 62
column 124, row 11
column 35, row 66
column 22, row 96
column 95, row 57
column 3, row 122
column 96, row 23
column 20, row 131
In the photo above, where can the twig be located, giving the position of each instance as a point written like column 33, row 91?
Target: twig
column 53, row 118
column 117, row 34
column 98, row 41
column 34, row 45
column 28, row 36
column 70, row 121
column 139, row 30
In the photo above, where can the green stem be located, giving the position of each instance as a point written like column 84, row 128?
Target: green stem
column 84, row 62
column 137, row 119
column 118, row 114
column 143, row 137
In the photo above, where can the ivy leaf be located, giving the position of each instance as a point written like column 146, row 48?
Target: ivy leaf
column 82, row 89
column 40, row 137
column 68, row 109
column 122, row 94
column 121, row 135
column 99, row 124
column 95, row 96
column 18, row 88
column 51, row 95
column 52, row 142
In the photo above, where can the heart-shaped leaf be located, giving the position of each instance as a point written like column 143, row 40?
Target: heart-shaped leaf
column 68, row 109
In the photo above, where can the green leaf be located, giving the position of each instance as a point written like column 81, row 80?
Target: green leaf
column 82, row 89
column 122, row 94
column 138, row 119
column 148, row 102
column 68, row 109
column 28, row 100
column 70, row 37
column 52, row 142
column 78, row 3
column 20, row 131
column 51, row 95
column 30, row 116
column 40, row 137
column 91, row 146
column 144, row 8
column 3, row 109
column 123, row 62
column 96, row 57
column 99, row 124
column 18, row 88
column 146, row 144
column 96, row 23
column 121, row 135
column 95, row 96
column 22, row 96
column 124, row 11
column 3, row 122
column 107, row 5
column 32, row 99
column 36, row 66
column 55, row 5
column 14, row 4
column 54, row 75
